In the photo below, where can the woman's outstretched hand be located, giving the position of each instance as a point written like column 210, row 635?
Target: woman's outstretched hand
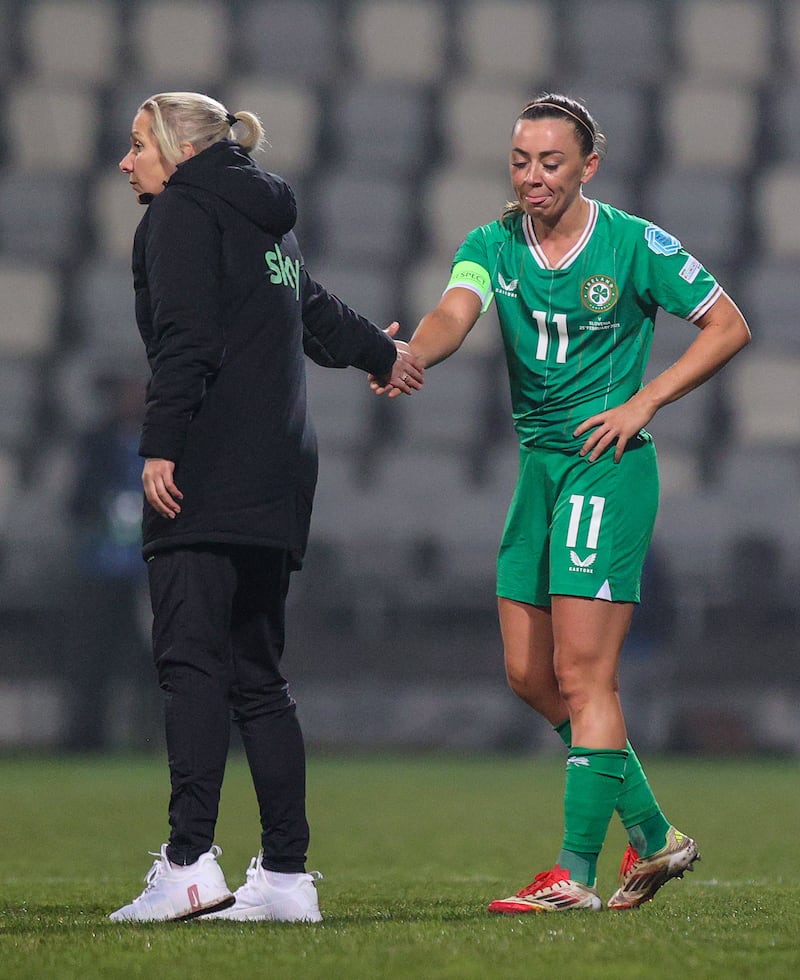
column 406, row 376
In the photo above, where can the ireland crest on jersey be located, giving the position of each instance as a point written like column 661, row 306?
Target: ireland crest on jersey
column 599, row 293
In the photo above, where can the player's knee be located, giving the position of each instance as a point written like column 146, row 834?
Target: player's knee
column 581, row 681
column 574, row 684
column 519, row 684
column 531, row 691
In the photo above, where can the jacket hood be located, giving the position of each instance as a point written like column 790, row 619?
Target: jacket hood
column 225, row 170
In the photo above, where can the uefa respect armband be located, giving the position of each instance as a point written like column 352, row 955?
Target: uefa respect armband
column 472, row 276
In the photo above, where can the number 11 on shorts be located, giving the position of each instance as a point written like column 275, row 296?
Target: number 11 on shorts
column 577, row 501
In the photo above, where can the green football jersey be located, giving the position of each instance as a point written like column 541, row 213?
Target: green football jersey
column 577, row 336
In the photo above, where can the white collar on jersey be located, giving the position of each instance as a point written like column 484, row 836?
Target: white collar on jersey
column 536, row 249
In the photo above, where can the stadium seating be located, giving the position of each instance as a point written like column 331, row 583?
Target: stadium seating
column 9, row 51
column 743, row 476
column 619, row 188
column 446, row 416
column 290, row 114
column 9, row 482
column 178, row 43
column 764, row 390
column 21, row 391
column 398, row 39
column 456, row 200
column 523, row 30
column 371, row 289
column 342, row 409
column 30, row 300
column 53, row 229
column 383, row 127
column 778, row 202
column 729, row 41
column 619, row 39
column 77, row 386
column 115, row 213
column 702, row 207
column 685, row 425
column 101, row 298
column 768, row 300
column 364, row 219
column 624, row 114
column 274, row 39
column 710, row 125
column 671, row 337
column 72, row 40
column 54, row 125
column 789, row 32
column 390, row 118
column 782, row 108
column 477, row 118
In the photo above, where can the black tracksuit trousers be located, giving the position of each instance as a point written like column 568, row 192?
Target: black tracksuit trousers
column 218, row 636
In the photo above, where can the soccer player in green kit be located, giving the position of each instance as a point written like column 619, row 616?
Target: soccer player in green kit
column 577, row 285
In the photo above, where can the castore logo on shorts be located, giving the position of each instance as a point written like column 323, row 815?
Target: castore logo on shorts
column 579, row 564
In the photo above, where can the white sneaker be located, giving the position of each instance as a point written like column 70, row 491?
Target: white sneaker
column 174, row 893
column 272, row 896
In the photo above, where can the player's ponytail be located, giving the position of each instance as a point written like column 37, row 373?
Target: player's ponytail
column 190, row 117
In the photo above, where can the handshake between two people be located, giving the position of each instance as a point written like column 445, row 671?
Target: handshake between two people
column 406, row 376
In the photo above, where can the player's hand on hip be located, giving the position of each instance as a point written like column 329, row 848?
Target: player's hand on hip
column 615, row 427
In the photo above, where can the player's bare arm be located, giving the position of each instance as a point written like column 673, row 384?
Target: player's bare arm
column 440, row 333
column 723, row 332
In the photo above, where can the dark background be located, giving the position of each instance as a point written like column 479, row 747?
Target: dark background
column 391, row 121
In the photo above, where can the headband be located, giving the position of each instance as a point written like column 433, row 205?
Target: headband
column 560, row 108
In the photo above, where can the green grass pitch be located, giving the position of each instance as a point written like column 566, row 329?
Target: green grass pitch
column 412, row 849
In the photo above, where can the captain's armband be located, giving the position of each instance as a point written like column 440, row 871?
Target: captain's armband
column 470, row 275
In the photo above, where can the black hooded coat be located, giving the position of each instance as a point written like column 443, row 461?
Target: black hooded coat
column 226, row 311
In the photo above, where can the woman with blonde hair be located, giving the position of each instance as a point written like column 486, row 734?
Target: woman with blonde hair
column 226, row 310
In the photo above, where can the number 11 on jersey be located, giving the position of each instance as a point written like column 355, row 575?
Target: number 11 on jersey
column 560, row 321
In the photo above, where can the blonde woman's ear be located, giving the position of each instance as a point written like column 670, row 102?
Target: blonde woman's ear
column 187, row 151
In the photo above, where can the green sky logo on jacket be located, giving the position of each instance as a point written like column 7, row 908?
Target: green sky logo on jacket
column 283, row 269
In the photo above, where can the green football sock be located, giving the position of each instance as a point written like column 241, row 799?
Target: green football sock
column 593, row 781
column 636, row 804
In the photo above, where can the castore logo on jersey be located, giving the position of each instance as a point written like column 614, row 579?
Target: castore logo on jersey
column 507, row 288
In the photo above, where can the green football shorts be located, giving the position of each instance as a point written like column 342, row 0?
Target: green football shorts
column 579, row 528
